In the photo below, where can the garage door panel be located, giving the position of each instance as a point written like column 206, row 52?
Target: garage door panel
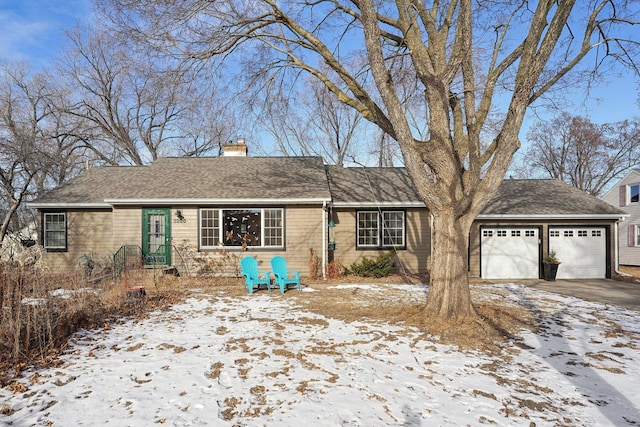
column 509, row 253
column 581, row 251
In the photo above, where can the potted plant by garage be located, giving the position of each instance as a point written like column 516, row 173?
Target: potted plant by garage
column 550, row 264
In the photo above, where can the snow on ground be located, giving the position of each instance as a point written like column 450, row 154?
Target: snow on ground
column 260, row 360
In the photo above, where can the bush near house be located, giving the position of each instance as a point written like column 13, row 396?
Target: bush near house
column 382, row 266
column 40, row 310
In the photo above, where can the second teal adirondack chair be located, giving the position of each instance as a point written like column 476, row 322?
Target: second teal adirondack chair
column 253, row 277
column 284, row 277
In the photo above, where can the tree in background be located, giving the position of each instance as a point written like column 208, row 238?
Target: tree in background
column 458, row 56
column 130, row 108
column 34, row 151
column 581, row 153
column 308, row 120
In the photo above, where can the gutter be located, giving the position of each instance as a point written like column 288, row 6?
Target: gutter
column 226, row 202
column 553, row 216
column 378, row 205
column 69, row 205
column 109, row 203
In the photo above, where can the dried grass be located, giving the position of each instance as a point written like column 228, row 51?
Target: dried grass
column 496, row 326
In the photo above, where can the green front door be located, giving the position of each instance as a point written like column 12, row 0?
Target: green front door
column 156, row 236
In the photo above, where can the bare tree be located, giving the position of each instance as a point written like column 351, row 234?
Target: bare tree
column 308, row 121
column 460, row 54
column 126, row 106
column 33, row 155
column 581, row 153
column 334, row 124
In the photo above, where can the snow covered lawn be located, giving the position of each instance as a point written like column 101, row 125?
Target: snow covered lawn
column 264, row 359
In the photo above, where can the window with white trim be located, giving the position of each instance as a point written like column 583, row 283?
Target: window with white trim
column 381, row 229
column 262, row 228
column 54, row 231
column 637, row 235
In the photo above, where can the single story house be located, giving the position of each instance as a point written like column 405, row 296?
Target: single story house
column 626, row 195
column 266, row 206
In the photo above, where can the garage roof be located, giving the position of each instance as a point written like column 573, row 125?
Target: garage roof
column 546, row 198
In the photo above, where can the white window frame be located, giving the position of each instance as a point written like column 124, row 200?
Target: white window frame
column 218, row 227
column 637, row 227
column 631, row 195
column 214, row 226
column 380, row 237
column 46, row 230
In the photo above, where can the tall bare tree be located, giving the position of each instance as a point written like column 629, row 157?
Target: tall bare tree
column 126, row 105
column 308, row 120
column 459, row 53
column 34, row 154
column 581, row 153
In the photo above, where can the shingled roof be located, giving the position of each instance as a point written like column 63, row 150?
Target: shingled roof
column 197, row 180
column 545, row 197
column 359, row 186
column 515, row 197
column 287, row 180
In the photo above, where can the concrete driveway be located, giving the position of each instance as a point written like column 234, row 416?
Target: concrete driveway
column 599, row 290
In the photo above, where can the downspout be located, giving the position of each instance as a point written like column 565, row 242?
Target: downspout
column 324, row 240
column 616, row 260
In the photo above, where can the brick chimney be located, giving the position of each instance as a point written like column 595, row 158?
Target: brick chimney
column 238, row 149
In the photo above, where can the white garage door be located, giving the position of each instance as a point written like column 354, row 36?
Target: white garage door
column 509, row 253
column 581, row 251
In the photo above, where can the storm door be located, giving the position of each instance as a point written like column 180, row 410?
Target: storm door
column 156, row 236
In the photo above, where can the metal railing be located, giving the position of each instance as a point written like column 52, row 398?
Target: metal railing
column 128, row 257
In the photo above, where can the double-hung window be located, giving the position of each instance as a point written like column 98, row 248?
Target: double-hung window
column 634, row 193
column 381, row 229
column 262, row 228
column 54, row 231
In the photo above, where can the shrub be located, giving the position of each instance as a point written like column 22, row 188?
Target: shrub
column 382, row 266
column 314, row 264
column 40, row 310
column 335, row 270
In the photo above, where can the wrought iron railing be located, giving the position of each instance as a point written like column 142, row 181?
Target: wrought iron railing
column 128, row 257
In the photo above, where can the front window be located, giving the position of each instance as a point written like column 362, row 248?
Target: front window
column 634, row 193
column 381, row 229
column 241, row 227
column 637, row 235
column 54, row 231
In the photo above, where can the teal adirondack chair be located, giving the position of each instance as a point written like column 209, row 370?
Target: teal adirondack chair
column 253, row 277
column 284, row 277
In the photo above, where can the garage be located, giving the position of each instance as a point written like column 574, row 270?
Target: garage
column 582, row 251
column 510, row 253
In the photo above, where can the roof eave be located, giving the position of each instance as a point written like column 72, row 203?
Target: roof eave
column 553, row 216
column 66, row 205
column 408, row 204
column 226, row 202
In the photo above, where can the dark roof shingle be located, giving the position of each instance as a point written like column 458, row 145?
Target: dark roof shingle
column 371, row 185
column 174, row 178
column 545, row 197
column 300, row 178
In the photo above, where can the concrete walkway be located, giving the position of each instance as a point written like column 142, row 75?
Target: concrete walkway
column 599, row 290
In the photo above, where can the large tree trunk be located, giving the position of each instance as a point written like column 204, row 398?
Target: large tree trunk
column 449, row 295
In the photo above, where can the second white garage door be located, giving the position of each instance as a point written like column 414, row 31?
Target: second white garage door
column 510, row 253
column 582, row 252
